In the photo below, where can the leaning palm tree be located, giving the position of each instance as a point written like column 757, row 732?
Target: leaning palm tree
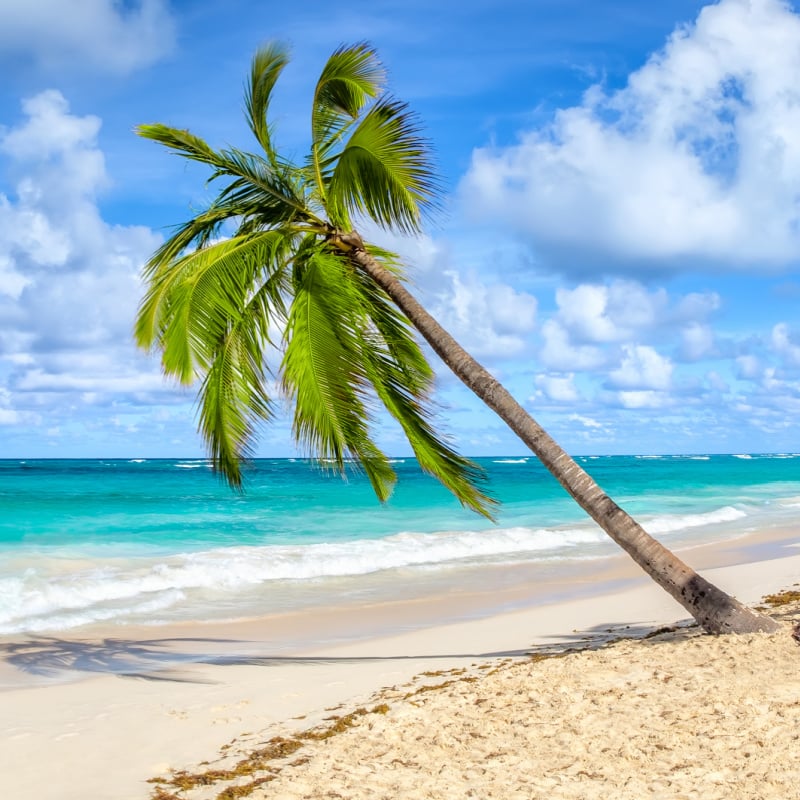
column 271, row 291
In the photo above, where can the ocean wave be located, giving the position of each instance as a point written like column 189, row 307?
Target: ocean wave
column 743, row 456
column 87, row 615
column 57, row 594
column 510, row 461
column 678, row 522
column 111, row 591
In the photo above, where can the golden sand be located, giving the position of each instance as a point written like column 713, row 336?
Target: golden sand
column 676, row 715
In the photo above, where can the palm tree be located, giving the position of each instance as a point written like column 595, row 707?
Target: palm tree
column 271, row 292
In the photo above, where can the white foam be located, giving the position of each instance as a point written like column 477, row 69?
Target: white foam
column 510, row 461
column 744, row 456
column 679, row 522
column 118, row 590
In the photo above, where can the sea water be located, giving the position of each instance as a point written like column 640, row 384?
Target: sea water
column 158, row 541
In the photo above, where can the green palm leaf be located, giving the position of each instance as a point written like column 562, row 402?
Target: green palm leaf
column 190, row 302
column 351, row 77
column 210, row 302
column 323, row 370
column 402, row 378
column 233, row 400
column 268, row 174
column 266, row 68
column 383, row 171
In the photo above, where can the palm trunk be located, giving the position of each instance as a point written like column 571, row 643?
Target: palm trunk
column 714, row 610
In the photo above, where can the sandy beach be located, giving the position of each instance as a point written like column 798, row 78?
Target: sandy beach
column 437, row 710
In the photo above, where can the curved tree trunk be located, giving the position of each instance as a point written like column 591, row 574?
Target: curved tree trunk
column 714, row 610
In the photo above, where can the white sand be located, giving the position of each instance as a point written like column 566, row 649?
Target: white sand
column 104, row 736
column 711, row 717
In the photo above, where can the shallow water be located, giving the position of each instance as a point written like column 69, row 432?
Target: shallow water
column 150, row 541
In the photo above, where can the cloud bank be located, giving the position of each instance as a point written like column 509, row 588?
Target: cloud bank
column 69, row 283
column 696, row 160
column 99, row 34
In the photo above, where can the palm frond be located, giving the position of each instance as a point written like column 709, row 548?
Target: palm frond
column 197, row 233
column 351, row 77
column 271, row 177
column 180, row 141
column 322, row 370
column 209, row 303
column 190, row 302
column 459, row 475
column 265, row 69
column 384, row 171
column 233, row 399
column 402, row 378
column 274, row 185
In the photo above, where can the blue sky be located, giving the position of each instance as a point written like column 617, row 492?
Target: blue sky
column 621, row 236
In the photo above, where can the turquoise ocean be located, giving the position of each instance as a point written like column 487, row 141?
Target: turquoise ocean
column 159, row 541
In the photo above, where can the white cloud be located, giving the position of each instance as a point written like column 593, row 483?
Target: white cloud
column 488, row 320
column 69, row 282
column 592, row 322
column 717, row 383
column 609, row 313
column 559, row 353
column 99, row 34
column 785, row 344
column 695, row 158
column 589, row 423
column 748, row 366
column 9, row 417
column 698, row 341
column 642, row 368
column 488, row 317
column 557, row 388
column 643, row 399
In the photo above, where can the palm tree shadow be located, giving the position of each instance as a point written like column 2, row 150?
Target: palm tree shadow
column 161, row 659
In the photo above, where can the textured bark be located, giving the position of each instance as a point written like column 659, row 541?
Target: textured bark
column 714, row 610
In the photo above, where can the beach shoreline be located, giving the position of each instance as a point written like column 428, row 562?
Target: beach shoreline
column 154, row 699
column 469, row 596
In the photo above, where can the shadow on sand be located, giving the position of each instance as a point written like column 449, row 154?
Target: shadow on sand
column 161, row 659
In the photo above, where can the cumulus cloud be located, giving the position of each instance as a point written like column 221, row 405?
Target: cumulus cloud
column 557, row 388
column 786, row 344
column 559, row 353
column 593, row 322
column 69, row 281
column 491, row 320
column 642, row 368
column 100, row 34
column 748, row 367
column 696, row 158
column 699, row 342
column 487, row 316
column 609, row 312
column 644, row 399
